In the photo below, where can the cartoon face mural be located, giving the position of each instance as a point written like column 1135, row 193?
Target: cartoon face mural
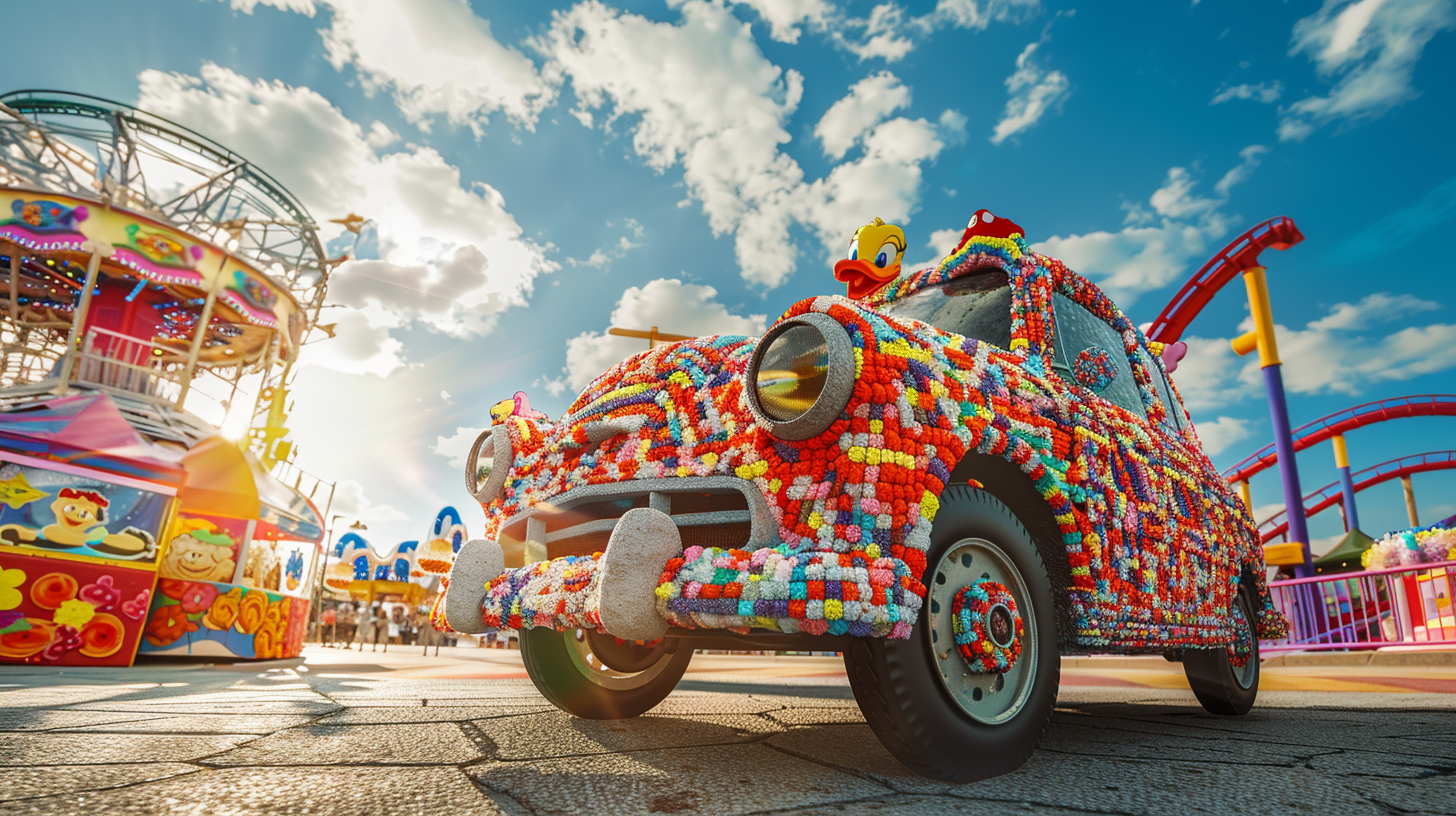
column 162, row 247
column 81, row 517
column 200, row 555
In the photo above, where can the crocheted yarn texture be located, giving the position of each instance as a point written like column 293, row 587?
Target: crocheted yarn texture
column 1155, row 541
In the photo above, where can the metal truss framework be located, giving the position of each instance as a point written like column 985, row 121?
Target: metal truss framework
column 115, row 154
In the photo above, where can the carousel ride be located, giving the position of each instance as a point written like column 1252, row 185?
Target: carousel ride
column 155, row 290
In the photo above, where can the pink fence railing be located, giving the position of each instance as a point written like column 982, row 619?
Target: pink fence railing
column 1367, row 610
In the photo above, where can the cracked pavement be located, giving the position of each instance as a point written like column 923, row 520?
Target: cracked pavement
column 345, row 733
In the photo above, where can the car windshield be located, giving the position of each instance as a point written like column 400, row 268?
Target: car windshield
column 975, row 305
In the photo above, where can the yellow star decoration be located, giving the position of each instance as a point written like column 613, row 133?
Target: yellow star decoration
column 17, row 492
column 10, row 581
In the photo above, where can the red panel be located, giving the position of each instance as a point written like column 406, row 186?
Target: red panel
column 70, row 613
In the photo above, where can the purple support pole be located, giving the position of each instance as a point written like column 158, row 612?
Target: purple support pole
column 1347, row 487
column 1288, row 472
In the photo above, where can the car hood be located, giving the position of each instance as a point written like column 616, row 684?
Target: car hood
column 676, row 410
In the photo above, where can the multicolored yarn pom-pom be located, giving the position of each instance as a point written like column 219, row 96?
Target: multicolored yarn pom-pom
column 987, row 626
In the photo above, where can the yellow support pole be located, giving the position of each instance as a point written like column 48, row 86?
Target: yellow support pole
column 1410, row 501
column 1247, row 495
column 1258, row 288
column 1342, row 456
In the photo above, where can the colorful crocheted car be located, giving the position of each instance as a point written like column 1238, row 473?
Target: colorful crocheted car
column 971, row 470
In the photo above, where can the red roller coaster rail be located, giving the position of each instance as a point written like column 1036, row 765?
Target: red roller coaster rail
column 1329, row 495
column 1231, row 261
column 1343, row 421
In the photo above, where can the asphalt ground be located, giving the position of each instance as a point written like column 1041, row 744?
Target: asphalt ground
column 340, row 732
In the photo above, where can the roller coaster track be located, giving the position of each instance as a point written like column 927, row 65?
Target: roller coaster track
column 1241, row 254
column 1330, row 495
column 1343, row 421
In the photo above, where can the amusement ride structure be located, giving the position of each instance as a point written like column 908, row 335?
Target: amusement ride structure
column 155, row 290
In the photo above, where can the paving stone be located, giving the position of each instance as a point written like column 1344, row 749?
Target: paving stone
column 283, row 792
column 381, row 715
column 1058, row 778
column 719, row 780
column 94, row 749
column 26, row 783
column 58, row 694
column 405, row 744
column 40, row 719
column 897, row 804
column 557, row 734
column 200, row 724
column 824, row 715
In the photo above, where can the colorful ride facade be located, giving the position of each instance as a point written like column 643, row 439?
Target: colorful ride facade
column 135, row 325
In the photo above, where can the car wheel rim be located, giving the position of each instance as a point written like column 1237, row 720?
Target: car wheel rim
column 579, row 648
column 986, row 697
column 1243, row 652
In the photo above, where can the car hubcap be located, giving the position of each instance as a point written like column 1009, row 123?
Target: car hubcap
column 982, row 631
column 987, row 627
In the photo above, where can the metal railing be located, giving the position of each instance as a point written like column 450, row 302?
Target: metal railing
column 127, row 363
column 1403, row 606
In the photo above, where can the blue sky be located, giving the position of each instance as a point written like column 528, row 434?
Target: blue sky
column 538, row 172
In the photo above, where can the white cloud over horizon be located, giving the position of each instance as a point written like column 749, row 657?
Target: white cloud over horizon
column 1158, row 244
column 671, row 305
column 1370, row 49
column 721, row 115
column 1342, row 352
column 1033, row 92
column 452, row 256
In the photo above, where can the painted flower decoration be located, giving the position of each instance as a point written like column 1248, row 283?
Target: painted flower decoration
column 167, row 625
column 136, row 608
column 10, row 581
column 103, row 594
column 66, row 639
column 74, row 613
column 197, row 597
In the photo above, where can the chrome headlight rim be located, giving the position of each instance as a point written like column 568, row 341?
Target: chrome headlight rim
column 495, row 443
column 838, row 379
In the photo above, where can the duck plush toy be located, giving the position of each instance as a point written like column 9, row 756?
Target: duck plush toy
column 874, row 259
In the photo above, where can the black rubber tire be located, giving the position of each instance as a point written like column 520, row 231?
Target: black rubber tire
column 1211, row 672
column 896, row 682
column 554, row 667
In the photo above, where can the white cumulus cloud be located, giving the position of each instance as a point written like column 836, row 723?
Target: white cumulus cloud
column 437, row 58
column 457, row 446
column 720, row 114
column 1265, row 93
column 669, row 304
column 451, row 255
column 351, row 503
column 1155, row 246
column 1369, row 48
column 1033, row 91
column 1217, row 435
column 869, row 102
column 1346, row 351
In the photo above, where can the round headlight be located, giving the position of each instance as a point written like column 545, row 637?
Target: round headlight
column 801, row 376
column 484, row 480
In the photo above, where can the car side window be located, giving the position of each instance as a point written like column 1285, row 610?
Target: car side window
column 1089, row 353
column 1173, row 413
